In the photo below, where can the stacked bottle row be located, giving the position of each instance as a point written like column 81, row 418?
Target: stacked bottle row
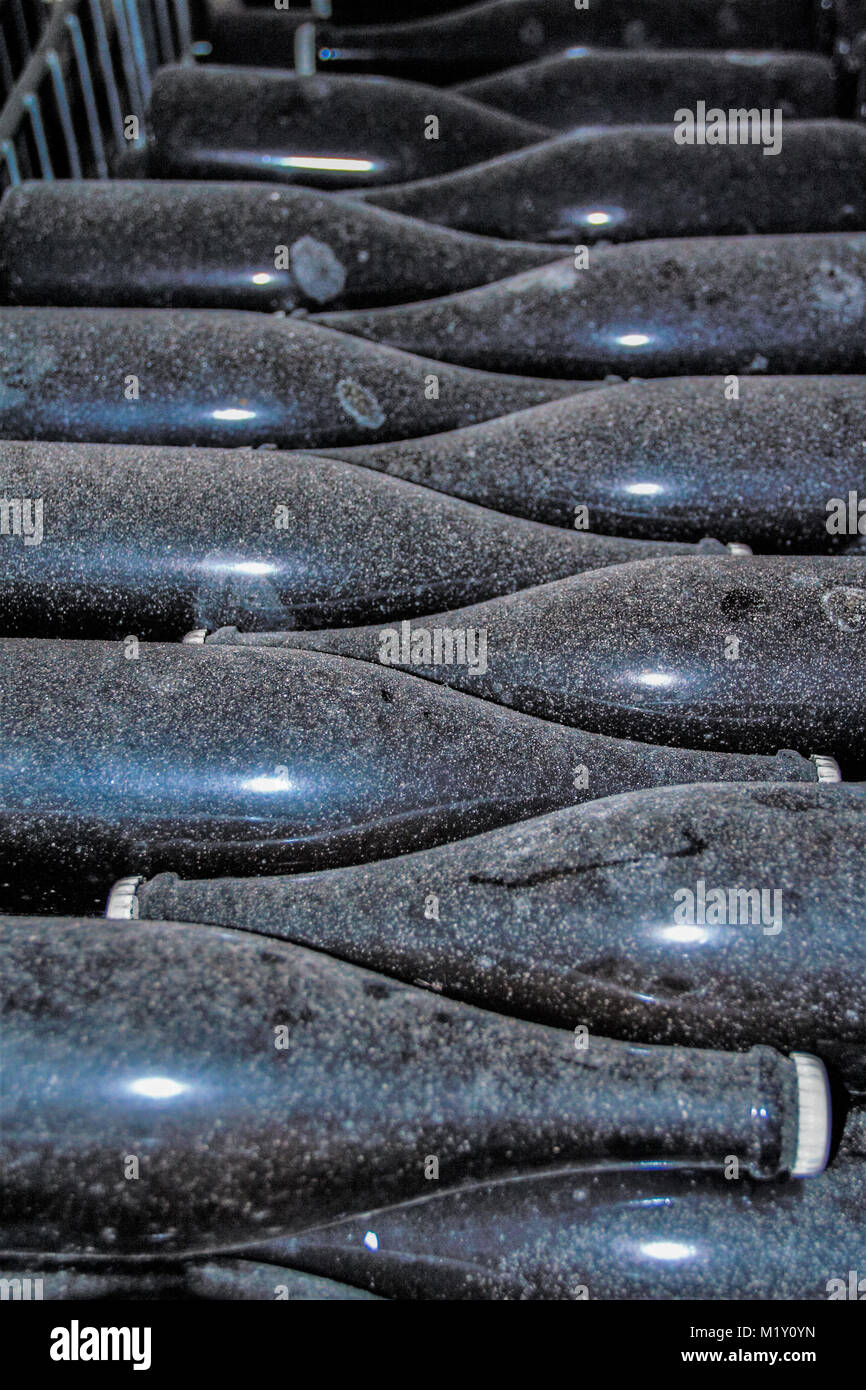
column 425, row 862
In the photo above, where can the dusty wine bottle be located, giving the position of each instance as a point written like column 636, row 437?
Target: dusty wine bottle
column 486, row 37
column 370, row 11
column 632, row 182
column 740, row 652
column 675, row 1233
column 601, row 1233
column 376, row 11
column 186, row 376
column 261, row 1088
column 777, row 304
column 109, row 539
column 211, row 760
column 593, row 87
column 587, row 1232
column 746, row 460
column 241, row 1281
column 325, row 132
column 230, row 246
column 615, row 915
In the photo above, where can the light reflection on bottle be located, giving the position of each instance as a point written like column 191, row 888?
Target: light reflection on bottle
column 343, row 55
column 686, row 935
column 253, row 567
column 328, row 163
column 593, row 216
column 279, row 783
column 667, row 1249
column 750, row 60
column 655, row 679
column 644, row 489
column 220, row 564
column 158, row 1087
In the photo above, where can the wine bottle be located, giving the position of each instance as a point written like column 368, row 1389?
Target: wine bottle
column 371, row 11
column 116, row 538
column 129, row 758
column 602, row 1233
column 326, row 132
column 795, row 1235
column 259, row 1088
column 487, row 37
column 667, row 459
column 186, row 376
column 659, row 308
column 237, row 1281
column 629, row 183
column 598, row 87
column 749, row 653
column 230, row 246
column 648, row 916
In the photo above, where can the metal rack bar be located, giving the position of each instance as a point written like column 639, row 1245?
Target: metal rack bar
column 72, row 72
column 30, row 102
column 103, row 49
column 64, row 112
column 88, row 96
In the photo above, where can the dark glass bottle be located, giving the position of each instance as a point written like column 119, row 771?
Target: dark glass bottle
column 230, row 246
column 488, row 37
column 186, row 376
column 130, row 757
column 654, row 308
column 118, row 538
column 750, row 653
column 593, row 87
column 325, row 132
column 576, row 1233
column 373, row 11
column 259, row 1088
column 634, row 461
column 629, row 183
column 601, row 1234
column 237, row 1281
column 707, row 916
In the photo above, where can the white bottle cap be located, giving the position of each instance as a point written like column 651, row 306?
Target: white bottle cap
column 813, row 1116
column 828, row 768
column 122, row 905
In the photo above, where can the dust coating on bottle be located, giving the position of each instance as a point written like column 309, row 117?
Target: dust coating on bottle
column 231, row 246
column 750, row 653
column 227, row 378
column 730, row 305
column 216, row 1091
column 632, row 182
column 214, row 760
column 610, row 461
column 707, row 916
column 159, row 541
